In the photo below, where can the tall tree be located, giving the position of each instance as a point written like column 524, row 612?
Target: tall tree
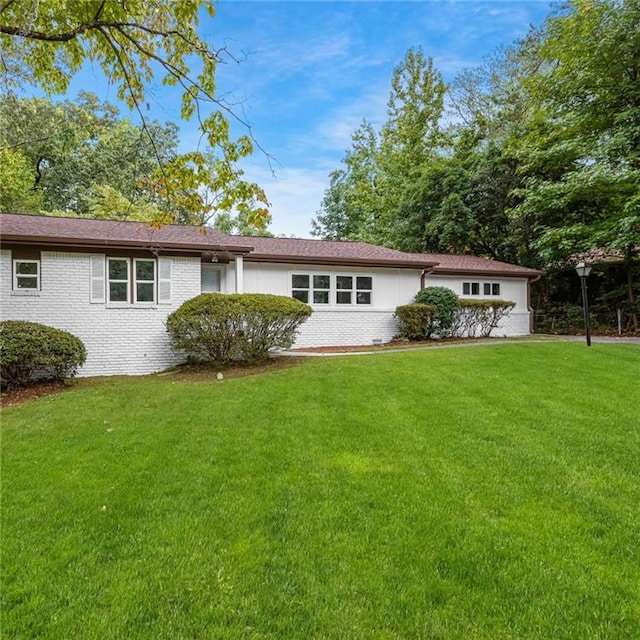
column 352, row 202
column 48, row 41
column 410, row 139
column 582, row 149
column 362, row 201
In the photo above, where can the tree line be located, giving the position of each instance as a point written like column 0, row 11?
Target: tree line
column 533, row 157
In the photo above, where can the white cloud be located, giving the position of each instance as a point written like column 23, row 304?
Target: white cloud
column 295, row 195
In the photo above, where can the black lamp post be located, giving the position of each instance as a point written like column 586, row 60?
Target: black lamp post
column 583, row 270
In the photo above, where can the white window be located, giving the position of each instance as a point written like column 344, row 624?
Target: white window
column 318, row 289
column 131, row 280
column 26, row 274
column 364, row 286
column 311, row 288
column 210, row 278
column 473, row 288
column 144, row 280
column 118, row 280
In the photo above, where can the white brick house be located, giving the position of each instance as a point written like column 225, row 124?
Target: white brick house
column 113, row 284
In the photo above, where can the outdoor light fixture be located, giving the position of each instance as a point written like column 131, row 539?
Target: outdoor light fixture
column 583, row 270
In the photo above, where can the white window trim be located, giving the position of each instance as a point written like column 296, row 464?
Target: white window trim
column 333, row 290
column 212, row 267
column 108, row 282
column 16, row 275
column 154, row 282
column 132, row 282
column 481, row 285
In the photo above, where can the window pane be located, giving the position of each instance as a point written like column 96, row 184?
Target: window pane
column 344, row 282
column 466, row 288
column 118, row 292
column 321, row 297
column 27, row 282
column 209, row 279
column 475, row 288
column 364, row 283
column 299, row 282
column 343, row 297
column 118, row 270
column 303, row 296
column 495, row 289
column 487, row 288
column 321, row 282
column 145, row 270
column 27, row 268
column 144, row 291
column 363, row 297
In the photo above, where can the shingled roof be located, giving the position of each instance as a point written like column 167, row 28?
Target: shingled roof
column 327, row 252
column 89, row 233
column 451, row 264
column 85, row 232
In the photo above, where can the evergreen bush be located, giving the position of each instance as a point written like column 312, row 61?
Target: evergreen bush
column 220, row 328
column 416, row 320
column 29, row 350
column 445, row 302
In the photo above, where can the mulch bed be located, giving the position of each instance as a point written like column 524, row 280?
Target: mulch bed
column 37, row 390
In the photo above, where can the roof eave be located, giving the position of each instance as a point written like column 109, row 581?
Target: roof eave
column 525, row 273
column 90, row 243
column 334, row 261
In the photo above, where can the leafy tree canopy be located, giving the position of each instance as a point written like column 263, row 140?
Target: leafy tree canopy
column 47, row 41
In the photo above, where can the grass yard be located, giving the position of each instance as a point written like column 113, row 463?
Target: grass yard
column 468, row 493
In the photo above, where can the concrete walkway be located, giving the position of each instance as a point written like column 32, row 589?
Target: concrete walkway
column 470, row 343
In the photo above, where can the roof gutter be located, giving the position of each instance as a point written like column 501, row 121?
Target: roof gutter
column 89, row 243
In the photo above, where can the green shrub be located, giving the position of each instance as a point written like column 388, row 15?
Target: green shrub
column 445, row 302
column 270, row 322
column 479, row 317
column 416, row 320
column 216, row 327
column 30, row 350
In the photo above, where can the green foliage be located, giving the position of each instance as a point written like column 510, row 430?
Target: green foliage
column 137, row 45
column 479, row 317
column 30, row 349
column 363, row 199
column 445, row 302
column 17, row 192
column 219, row 328
column 416, row 320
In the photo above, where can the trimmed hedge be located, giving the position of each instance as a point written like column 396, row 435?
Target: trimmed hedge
column 479, row 317
column 216, row 327
column 416, row 320
column 445, row 302
column 29, row 350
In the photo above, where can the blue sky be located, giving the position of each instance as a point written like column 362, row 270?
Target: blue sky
column 309, row 72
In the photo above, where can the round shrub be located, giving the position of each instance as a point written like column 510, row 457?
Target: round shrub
column 445, row 302
column 30, row 350
column 216, row 327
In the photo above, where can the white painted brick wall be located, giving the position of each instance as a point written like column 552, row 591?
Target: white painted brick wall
column 347, row 327
column 119, row 340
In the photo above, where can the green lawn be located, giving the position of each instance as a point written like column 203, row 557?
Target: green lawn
column 474, row 493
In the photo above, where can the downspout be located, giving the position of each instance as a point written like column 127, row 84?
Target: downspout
column 530, row 281
column 423, row 277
